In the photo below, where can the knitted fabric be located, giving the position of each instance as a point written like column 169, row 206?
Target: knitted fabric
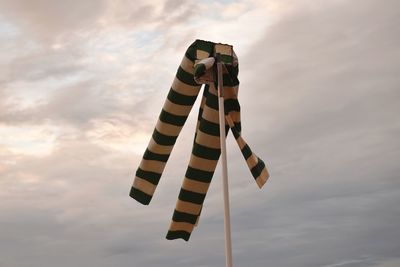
column 196, row 68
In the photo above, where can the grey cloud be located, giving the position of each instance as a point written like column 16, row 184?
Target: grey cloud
column 326, row 80
column 49, row 19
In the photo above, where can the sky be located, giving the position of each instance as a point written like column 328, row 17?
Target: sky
column 82, row 84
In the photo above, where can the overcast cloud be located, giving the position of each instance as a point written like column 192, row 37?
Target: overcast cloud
column 81, row 87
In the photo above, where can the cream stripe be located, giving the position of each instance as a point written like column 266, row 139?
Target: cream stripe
column 195, row 186
column 181, row 226
column 184, row 88
column 241, row 142
column 200, row 54
column 152, row 165
column 202, row 164
column 252, row 161
column 168, row 129
column 191, row 208
column 187, row 65
column 176, row 109
column 207, row 140
column 159, row 149
column 230, row 92
column 144, row 186
column 262, row 179
column 211, row 115
column 235, row 115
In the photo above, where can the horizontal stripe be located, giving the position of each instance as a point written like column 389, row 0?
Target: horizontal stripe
column 152, row 177
column 200, row 113
column 240, row 142
column 211, row 115
column 205, row 152
column 181, row 99
column 188, row 207
column 246, row 151
column 226, row 59
column 176, row 109
column 184, row 88
column 256, row 170
column 212, row 100
column 185, row 77
column 155, row 156
column 203, row 45
column 202, row 54
column 191, row 196
column 199, row 175
column 190, row 52
column 171, row 235
column 170, row 118
column 163, row 139
column 152, row 165
column 223, row 49
column 209, row 127
column 140, row 196
column 187, row 64
column 202, row 164
column 252, row 161
column 160, row 149
column 199, row 70
column 181, row 226
column 238, row 127
column 235, row 132
column 184, row 217
column 262, row 178
column 168, row 128
column 231, row 105
column 209, row 140
column 144, row 186
column 230, row 92
column 195, row 186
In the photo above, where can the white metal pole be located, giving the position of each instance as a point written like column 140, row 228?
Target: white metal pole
column 227, row 220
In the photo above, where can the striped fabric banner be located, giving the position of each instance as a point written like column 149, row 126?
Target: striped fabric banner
column 195, row 69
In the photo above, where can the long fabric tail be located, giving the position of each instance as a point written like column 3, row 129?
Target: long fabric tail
column 206, row 145
column 177, row 106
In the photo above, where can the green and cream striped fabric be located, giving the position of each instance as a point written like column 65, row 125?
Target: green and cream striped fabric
column 195, row 69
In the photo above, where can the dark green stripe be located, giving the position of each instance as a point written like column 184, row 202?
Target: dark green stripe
column 229, row 80
column 238, row 126
column 152, row 177
column 180, row 99
column 191, row 196
column 212, row 101
column 235, row 132
column 199, row 175
column 209, row 127
column 256, row 170
column 184, row 217
column 191, row 52
column 205, row 152
column 205, row 46
column 231, row 105
column 228, row 59
column 185, row 77
column 200, row 113
column 140, row 196
column 173, row 119
column 246, row 151
column 155, row 156
column 171, row 235
column 199, row 70
column 162, row 139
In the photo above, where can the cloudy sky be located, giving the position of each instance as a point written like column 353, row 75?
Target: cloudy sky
column 81, row 87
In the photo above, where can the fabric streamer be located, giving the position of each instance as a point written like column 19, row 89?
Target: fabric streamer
column 196, row 68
